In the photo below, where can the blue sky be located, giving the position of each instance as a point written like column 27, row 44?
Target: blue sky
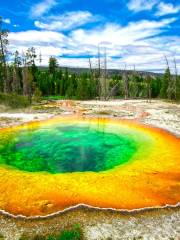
column 134, row 32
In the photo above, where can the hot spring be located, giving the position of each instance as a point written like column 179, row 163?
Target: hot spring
column 51, row 165
column 63, row 149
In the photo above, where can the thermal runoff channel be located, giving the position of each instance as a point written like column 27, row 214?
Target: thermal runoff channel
column 51, row 165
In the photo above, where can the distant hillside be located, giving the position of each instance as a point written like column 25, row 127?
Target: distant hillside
column 110, row 72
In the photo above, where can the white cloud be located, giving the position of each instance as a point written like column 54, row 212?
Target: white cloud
column 6, row 20
column 167, row 8
column 113, row 33
column 141, row 5
column 66, row 21
column 41, row 8
column 137, row 43
column 39, row 38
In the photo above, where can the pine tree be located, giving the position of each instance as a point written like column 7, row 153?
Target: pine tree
column 82, row 88
column 156, row 87
column 16, row 83
column 126, row 85
column 53, row 65
column 165, row 84
column 71, row 90
column 177, row 82
column 27, row 83
column 148, row 80
column 178, row 88
column 133, row 84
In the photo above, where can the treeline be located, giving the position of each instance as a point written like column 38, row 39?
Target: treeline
column 20, row 76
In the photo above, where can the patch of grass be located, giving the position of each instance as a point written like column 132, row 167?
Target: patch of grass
column 13, row 100
column 1, row 237
column 73, row 233
column 56, row 97
column 24, row 237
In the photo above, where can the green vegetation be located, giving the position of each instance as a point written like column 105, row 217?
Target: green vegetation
column 22, row 81
column 13, row 100
column 55, row 97
column 1, row 237
column 73, row 233
column 24, row 237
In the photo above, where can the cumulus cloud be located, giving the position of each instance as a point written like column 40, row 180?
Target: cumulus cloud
column 139, row 43
column 141, row 5
column 41, row 8
column 66, row 21
column 6, row 20
column 39, row 38
column 162, row 8
column 166, row 8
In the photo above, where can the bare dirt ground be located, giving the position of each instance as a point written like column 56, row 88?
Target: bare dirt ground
column 158, row 113
column 155, row 224
column 98, row 224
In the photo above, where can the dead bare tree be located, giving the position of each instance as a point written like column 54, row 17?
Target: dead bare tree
column 3, row 53
column 26, row 77
column 15, row 82
column 126, row 83
column 90, row 67
column 105, row 75
column 24, row 74
column 102, row 74
column 133, row 91
column 176, row 78
column 99, row 72
column 91, row 71
column 112, row 91
column 148, row 78
column 16, row 79
column 40, row 59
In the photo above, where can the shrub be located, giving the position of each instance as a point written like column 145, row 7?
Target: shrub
column 37, row 95
column 24, row 237
column 1, row 237
column 13, row 100
column 75, row 233
column 51, row 238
